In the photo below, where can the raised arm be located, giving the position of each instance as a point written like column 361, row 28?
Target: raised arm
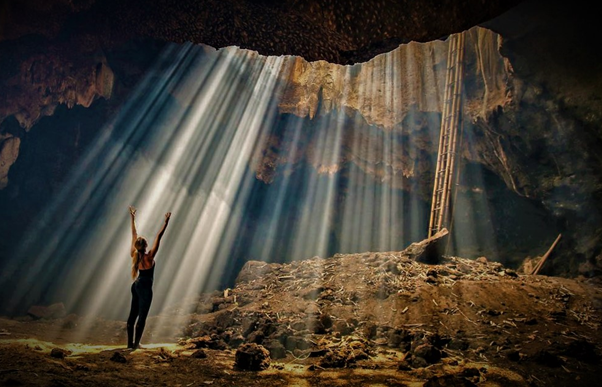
column 155, row 248
column 134, row 233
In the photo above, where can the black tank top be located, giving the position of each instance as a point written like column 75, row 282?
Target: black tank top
column 148, row 273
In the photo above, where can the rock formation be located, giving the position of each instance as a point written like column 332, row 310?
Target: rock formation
column 9, row 150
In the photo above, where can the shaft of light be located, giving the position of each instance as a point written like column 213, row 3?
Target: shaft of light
column 184, row 143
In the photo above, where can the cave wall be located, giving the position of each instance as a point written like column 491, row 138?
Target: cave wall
column 396, row 101
column 43, row 82
column 531, row 115
column 410, row 122
column 532, row 108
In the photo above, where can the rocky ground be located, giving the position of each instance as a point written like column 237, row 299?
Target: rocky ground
column 371, row 319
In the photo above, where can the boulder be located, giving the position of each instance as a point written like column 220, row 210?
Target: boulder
column 252, row 357
column 429, row 250
column 253, row 270
column 59, row 353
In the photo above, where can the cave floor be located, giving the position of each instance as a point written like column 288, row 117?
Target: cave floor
column 372, row 319
column 30, row 364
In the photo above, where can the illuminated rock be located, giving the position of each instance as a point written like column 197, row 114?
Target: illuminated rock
column 9, row 150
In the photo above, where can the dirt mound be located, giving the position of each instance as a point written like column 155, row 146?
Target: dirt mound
column 369, row 319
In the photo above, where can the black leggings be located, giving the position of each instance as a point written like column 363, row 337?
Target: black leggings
column 142, row 295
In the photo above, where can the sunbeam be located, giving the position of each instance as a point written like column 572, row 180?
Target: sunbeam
column 182, row 145
column 204, row 137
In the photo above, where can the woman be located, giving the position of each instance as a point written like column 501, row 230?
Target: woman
column 143, row 268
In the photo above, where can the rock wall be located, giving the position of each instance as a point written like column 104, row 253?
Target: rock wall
column 44, row 81
column 9, row 150
column 35, row 83
column 392, row 96
column 537, row 131
column 384, row 89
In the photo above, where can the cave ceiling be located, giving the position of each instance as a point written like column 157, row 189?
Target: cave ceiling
column 338, row 31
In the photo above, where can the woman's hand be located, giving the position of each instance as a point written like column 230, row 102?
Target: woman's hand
column 132, row 211
column 167, row 216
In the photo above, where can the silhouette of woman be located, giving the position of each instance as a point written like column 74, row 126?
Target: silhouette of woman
column 143, row 268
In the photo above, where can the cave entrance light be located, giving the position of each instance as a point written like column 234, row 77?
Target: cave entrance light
column 188, row 142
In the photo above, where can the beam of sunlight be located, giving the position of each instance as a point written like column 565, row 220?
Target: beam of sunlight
column 192, row 139
column 181, row 145
column 313, row 227
column 275, row 216
column 33, row 264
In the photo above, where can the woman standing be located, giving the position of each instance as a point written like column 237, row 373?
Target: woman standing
column 143, row 268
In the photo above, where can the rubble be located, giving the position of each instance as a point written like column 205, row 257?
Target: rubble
column 455, row 322
column 349, row 310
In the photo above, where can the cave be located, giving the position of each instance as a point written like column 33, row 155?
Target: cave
column 287, row 156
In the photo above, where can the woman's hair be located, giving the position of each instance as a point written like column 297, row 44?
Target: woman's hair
column 140, row 245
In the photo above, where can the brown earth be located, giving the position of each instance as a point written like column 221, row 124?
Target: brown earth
column 370, row 319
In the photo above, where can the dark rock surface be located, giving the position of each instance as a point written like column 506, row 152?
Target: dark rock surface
column 252, row 357
column 338, row 31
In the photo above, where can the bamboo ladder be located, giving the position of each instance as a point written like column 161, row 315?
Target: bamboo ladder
column 450, row 122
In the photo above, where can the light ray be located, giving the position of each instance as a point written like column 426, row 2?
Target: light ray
column 189, row 141
column 56, row 235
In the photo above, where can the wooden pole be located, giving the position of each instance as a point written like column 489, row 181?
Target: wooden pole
column 547, row 254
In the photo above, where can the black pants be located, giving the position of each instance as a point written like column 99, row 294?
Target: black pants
column 142, row 296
